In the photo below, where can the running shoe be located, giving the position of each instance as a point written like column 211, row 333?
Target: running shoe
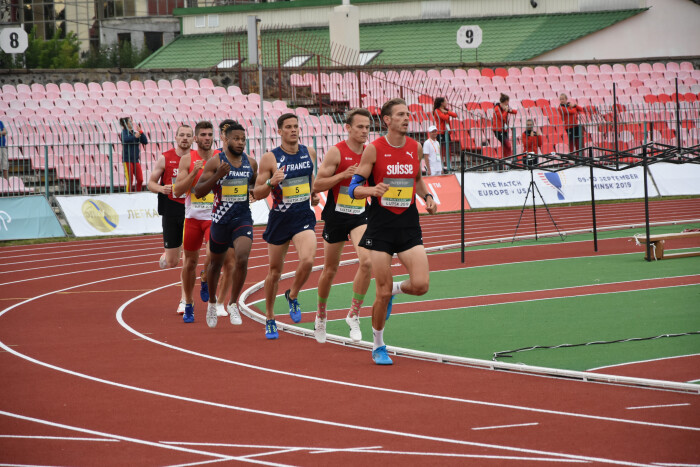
column 381, row 357
column 181, row 308
column 355, row 332
column 271, row 329
column 388, row 307
column 212, row 318
column 235, row 314
column 294, row 308
column 221, row 310
column 204, row 291
column 320, row 330
column 188, row 317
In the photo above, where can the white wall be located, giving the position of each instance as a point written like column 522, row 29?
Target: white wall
column 670, row 28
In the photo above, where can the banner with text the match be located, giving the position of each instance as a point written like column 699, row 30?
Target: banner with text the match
column 509, row 189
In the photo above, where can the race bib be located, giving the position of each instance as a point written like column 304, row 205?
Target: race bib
column 295, row 190
column 399, row 194
column 234, row 190
column 348, row 205
column 202, row 203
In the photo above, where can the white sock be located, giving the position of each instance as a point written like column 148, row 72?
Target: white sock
column 161, row 262
column 396, row 288
column 378, row 338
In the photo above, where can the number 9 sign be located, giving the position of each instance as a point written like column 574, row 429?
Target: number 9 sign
column 469, row 37
column 13, row 40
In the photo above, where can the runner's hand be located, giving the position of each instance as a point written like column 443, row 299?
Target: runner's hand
column 431, row 205
column 277, row 177
column 315, row 199
column 380, row 189
column 350, row 171
column 222, row 170
column 198, row 165
column 167, row 189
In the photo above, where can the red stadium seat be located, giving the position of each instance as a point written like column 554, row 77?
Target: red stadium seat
column 488, row 72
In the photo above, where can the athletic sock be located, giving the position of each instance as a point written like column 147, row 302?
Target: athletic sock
column 203, row 276
column 356, row 304
column 321, row 313
column 378, row 337
column 396, row 288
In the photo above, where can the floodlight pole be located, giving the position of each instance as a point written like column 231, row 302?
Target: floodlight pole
column 260, row 86
column 461, row 163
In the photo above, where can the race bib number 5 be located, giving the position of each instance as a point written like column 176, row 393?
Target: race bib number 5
column 399, row 194
column 295, row 190
column 234, row 190
column 348, row 205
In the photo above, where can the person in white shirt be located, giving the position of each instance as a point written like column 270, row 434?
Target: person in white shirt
column 431, row 148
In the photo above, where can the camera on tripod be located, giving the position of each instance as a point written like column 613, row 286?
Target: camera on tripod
column 530, row 159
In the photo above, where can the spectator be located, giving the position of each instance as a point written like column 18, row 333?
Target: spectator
column 532, row 141
column 4, row 162
column 431, row 150
column 500, row 124
column 569, row 113
column 131, row 153
column 442, row 115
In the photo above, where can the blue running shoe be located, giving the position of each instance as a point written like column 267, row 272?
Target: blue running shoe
column 381, row 357
column 188, row 317
column 271, row 329
column 388, row 307
column 294, row 308
column 204, row 291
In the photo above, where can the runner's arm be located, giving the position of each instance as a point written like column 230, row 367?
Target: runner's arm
column 254, row 178
column 422, row 188
column 268, row 172
column 154, row 181
column 363, row 171
column 184, row 177
column 315, row 199
column 210, row 176
column 326, row 178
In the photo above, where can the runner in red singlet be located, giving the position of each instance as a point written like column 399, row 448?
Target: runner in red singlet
column 391, row 164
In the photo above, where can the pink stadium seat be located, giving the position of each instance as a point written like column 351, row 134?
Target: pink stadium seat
column 673, row 66
column 618, row 68
column 447, row 73
column 658, row 66
column 177, row 84
column 164, row 84
column 686, row 66
column 605, row 68
column 38, row 88
column 206, row 83
column 473, row 73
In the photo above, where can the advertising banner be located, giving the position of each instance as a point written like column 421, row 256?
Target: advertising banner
column 26, row 217
column 499, row 189
column 124, row 214
column 676, row 179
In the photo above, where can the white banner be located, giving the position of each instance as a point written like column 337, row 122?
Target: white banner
column 500, row 189
column 124, row 214
column 676, row 179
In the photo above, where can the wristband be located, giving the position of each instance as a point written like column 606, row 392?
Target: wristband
column 425, row 198
column 356, row 181
column 268, row 183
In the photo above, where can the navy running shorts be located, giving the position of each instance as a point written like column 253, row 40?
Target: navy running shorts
column 222, row 236
column 282, row 226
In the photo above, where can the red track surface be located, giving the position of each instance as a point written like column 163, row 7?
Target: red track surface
column 151, row 390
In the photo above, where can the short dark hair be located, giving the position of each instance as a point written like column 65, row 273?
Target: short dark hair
column 358, row 111
column 283, row 117
column 388, row 106
column 203, row 125
column 437, row 103
column 504, row 98
column 182, row 125
column 232, row 126
column 122, row 122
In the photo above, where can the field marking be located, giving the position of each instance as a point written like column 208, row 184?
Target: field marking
column 645, row 361
column 128, row 439
column 657, row 406
column 327, row 422
column 504, row 426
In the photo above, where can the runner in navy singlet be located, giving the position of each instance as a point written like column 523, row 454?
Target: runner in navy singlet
column 392, row 165
column 343, row 217
column 287, row 173
column 230, row 175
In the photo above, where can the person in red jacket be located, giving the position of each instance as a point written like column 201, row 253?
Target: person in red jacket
column 569, row 113
column 500, row 124
column 442, row 114
column 532, row 142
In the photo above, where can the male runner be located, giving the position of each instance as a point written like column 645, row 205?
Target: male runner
column 229, row 174
column 392, row 165
column 287, row 172
column 343, row 216
column 171, row 207
column 197, row 211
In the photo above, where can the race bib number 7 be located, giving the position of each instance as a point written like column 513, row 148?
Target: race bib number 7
column 234, row 190
column 399, row 194
column 295, row 190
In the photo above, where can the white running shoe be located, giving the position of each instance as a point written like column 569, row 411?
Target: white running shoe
column 235, row 314
column 163, row 264
column 211, row 315
column 320, row 330
column 355, row 332
column 220, row 310
column 181, row 308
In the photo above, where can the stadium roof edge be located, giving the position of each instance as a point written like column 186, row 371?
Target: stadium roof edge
column 268, row 6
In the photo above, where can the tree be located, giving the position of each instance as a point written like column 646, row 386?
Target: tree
column 56, row 52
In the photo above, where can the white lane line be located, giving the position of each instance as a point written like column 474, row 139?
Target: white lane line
column 270, row 453
column 191, row 464
column 676, row 465
column 128, row 439
column 645, row 361
column 657, row 406
column 504, row 426
column 359, row 449
column 61, row 438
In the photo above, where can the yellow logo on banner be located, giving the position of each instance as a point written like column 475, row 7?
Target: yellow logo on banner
column 100, row 215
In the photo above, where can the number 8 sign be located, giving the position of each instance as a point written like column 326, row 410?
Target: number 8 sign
column 469, row 37
column 13, row 40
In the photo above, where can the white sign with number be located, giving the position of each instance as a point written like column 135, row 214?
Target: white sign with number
column 469, row 37
column 13, row 40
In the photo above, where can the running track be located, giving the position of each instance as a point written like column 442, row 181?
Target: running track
column 97, row 368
